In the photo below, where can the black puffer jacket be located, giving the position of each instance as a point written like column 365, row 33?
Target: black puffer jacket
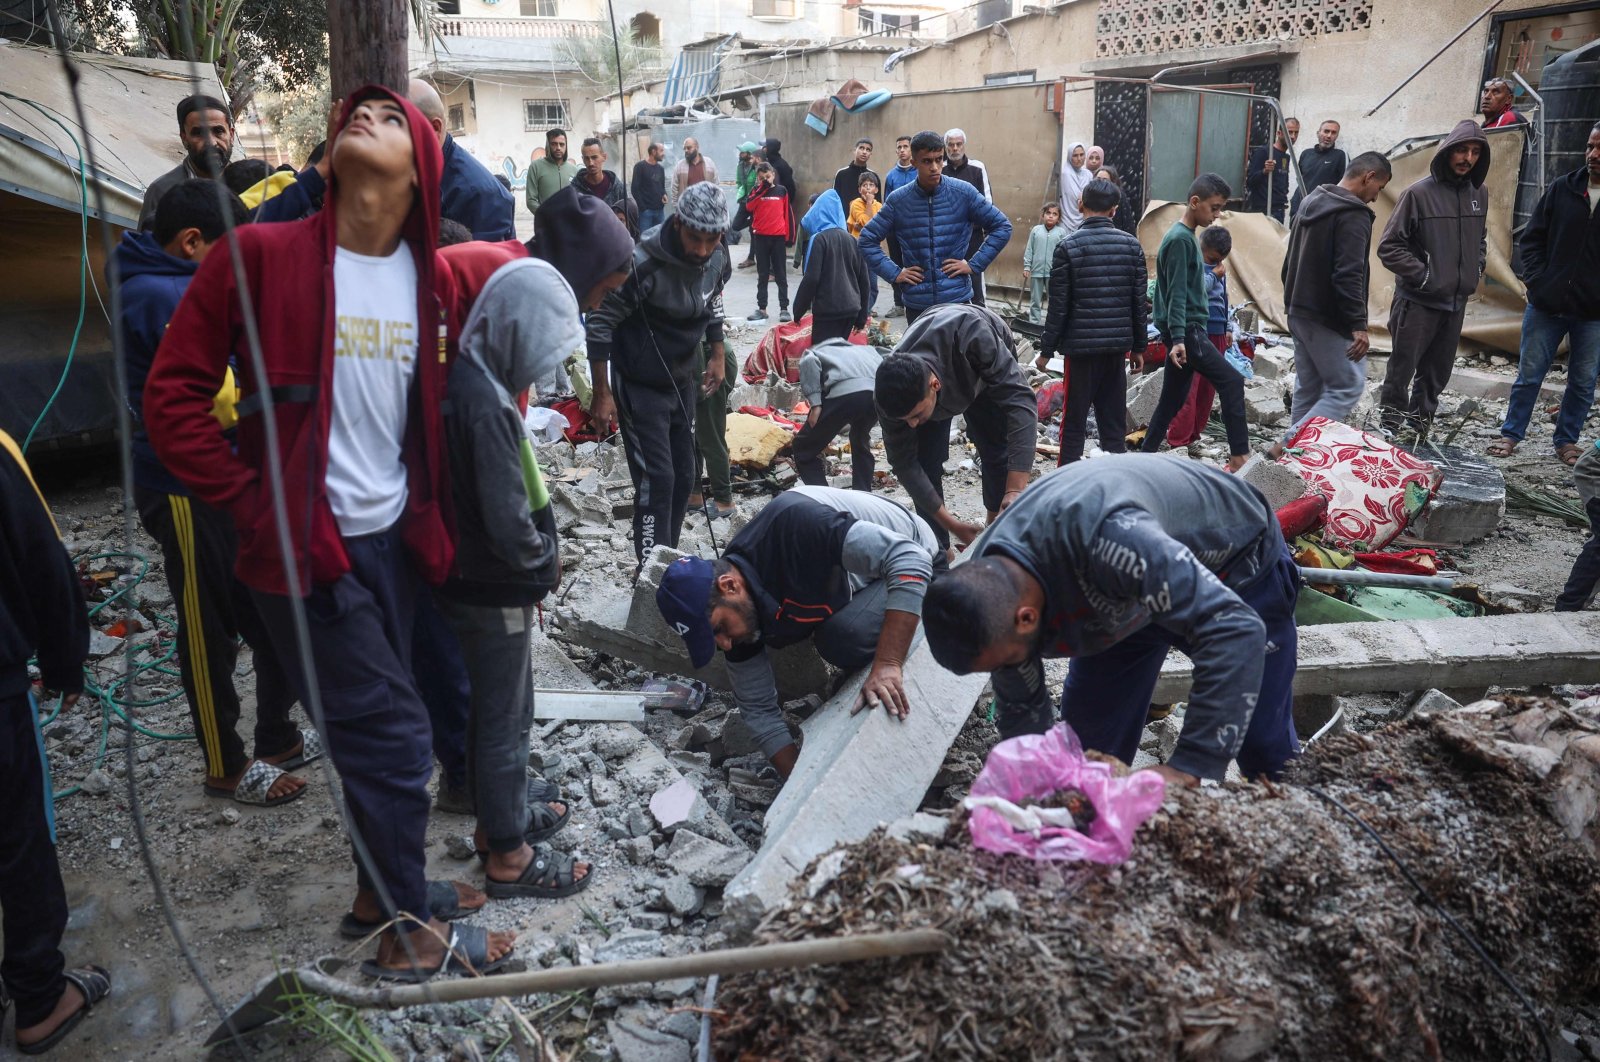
column 1098, row 282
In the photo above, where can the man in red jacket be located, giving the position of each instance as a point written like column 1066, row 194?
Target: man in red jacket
column 349, row 308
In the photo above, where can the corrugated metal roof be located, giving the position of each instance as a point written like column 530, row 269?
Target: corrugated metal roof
column 694, row 75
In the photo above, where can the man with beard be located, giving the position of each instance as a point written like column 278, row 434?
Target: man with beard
column 644, row 355
column 962, row 167
column 692, row 169
column 1322, row 164
column 206, row 128
column 843, row 567
column 549, row 175
column 594, row 179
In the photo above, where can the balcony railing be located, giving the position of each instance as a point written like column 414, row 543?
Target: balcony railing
column 542, row 28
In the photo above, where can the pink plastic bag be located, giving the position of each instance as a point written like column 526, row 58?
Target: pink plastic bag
column 1036, row 765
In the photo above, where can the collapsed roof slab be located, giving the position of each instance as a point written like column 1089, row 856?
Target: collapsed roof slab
column 1545, row 648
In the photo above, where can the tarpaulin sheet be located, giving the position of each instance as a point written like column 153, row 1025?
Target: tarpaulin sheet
column 1255, row 268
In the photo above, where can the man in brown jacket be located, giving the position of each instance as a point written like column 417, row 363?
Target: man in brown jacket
column 1434, row 244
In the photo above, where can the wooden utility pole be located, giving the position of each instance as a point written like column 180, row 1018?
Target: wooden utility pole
column 367, row 45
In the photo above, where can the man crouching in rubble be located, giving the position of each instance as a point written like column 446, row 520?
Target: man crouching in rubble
column 1112, row 562
column 842, row 566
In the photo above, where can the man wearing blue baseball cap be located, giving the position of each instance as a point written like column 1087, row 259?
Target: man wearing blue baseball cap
column 844, row 567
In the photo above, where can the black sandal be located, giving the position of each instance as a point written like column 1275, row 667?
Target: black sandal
column 549, row 875
column 443, row 903
column 543, row 822
column 95, row 984
column 467, row 952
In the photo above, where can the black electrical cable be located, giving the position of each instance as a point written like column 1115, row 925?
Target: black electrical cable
column 1424, row 896
column 125, row 435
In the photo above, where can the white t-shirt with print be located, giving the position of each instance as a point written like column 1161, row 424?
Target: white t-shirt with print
column 374, row 359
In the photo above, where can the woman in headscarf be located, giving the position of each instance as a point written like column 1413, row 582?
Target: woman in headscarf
column 1127, row 215
column 1074, row 176
column 1095, row 158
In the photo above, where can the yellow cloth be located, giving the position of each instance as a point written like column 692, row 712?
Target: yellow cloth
column 860, row 215
column 264, row 190
column 224, row 405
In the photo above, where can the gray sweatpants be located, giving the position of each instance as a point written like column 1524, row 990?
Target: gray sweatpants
column 1326, row 382
column 496, row 644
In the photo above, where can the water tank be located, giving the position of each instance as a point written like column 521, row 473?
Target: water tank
column 1570, row 86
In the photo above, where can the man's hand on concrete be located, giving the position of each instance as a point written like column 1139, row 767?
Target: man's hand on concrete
column 1174, row 777
column 909, row 275
column 884, row 686
column 956, row 267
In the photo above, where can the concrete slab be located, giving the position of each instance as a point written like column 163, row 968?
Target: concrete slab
column 1279, row 483
column 1143, row 394
column 854, row 772
column 1471, row 501
column 1345, row 658
column 1263, row 401
column 633, row 630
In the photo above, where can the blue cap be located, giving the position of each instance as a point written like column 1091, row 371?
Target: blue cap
column 684, row 598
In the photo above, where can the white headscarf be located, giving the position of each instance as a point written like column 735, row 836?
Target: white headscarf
column 1073, row 180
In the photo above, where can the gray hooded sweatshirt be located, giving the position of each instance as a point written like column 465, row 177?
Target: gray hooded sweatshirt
column 522, row 326
column 1437, row 238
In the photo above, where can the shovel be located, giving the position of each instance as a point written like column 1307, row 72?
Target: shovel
column 276, row 995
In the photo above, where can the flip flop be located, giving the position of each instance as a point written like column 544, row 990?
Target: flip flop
column 468, row 953
column 310, row 751
column 443, row 904
column 549, row 875
column 253, row 787
column 95, row 984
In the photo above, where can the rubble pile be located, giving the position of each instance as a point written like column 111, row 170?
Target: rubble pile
column 1250, row 922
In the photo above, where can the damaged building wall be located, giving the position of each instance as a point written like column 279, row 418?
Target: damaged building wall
column 1011, row 118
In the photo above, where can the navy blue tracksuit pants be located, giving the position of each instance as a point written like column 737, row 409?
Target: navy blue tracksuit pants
column 1106, row 697
column 375, row 725
column 33, row 900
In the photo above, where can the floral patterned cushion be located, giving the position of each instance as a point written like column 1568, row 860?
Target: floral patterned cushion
column 1373, row 489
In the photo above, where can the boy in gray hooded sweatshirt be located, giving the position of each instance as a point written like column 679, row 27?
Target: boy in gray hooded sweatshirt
column 523, row 324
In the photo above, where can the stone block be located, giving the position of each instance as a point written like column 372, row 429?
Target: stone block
column 1470, row 502
column 840, row 790
column 1274, row 363
column 1263, row 402
column 705, row 862
column 1278, row 482
column 922, row 826
column 1434, row 702
column 681, row 896
column 1143, row 394
column 754, row 442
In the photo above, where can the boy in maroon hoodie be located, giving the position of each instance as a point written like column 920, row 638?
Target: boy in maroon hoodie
column 349, row 306
column 768, row 208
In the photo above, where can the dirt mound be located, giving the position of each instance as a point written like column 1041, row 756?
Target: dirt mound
column 1251, row 922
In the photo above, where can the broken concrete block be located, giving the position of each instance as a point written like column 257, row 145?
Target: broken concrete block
column 1263, row 402
column 748, row 394
column 681, row 896
column 923, row 826
column 1143, row 393
column 675, row 805
column 1348, row 658
column 1470, row 502
column 840, row 790
column 705, row 862
column 1274, row 363
column 638, row 850
column 754, row 442
column 1434, row 701
column 1279, row 483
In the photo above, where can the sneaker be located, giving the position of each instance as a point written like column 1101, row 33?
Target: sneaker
column 784, row 317
column 896, row 311
column 713, row 510
column 759, row 315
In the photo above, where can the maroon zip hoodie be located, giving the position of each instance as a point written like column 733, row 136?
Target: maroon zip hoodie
column 288, row 278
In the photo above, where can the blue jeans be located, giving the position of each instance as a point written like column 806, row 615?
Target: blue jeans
column 1541, row 334
column 649, row 219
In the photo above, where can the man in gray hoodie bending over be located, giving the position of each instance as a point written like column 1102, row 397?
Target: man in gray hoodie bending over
column 955, row 360
column 1435, row 245
column 844, row 568
column 1121, row 559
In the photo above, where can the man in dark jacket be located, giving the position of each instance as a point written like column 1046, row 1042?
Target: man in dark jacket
column 594, row 179
column 847, row 180
column 468, row 192
column 1325, row 292
column 41, row 614
column 842, row 567
column 956, row 360
column 206, row 128
column 785, row 172
column 1434, row 244
column 1266, row 180
column 649, row 187
column 1560, row 263
column 198, row 541
column 1117, row 561
column 648, row 333
column 1322, row 164
column 932, row 222
column 1098, row 283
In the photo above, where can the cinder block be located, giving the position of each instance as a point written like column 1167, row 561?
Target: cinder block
column 1279, row 483
column 1471, row 500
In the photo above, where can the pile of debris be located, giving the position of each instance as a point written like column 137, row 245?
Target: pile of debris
column 1251, row 921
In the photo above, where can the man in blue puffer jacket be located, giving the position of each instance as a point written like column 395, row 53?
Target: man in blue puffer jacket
column 931, row 221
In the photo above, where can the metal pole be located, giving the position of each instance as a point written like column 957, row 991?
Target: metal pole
column 1482, row 15
column 1356, row 577
column 1529, row 89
